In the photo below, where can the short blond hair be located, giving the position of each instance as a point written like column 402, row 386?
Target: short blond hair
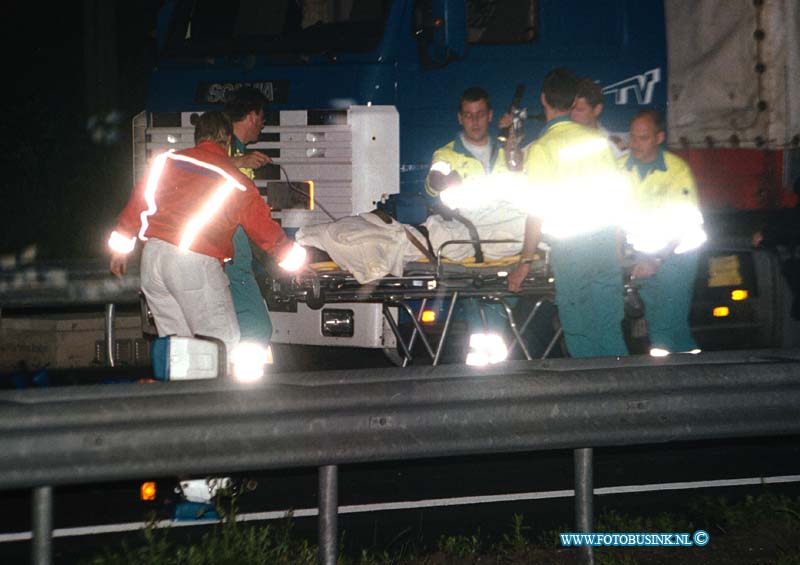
column 213, row 126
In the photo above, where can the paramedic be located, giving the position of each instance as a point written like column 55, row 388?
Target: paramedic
column 576, row 200
column 473, row 152
column 665, row 231
column 587, row 109
column 186, row 211
column 245, row 107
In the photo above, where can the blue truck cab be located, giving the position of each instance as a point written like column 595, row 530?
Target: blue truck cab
column 416, row 55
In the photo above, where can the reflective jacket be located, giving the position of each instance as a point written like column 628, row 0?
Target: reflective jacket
column 459, row 159
column 666, row 204
column 574, row 185
column 183, row 191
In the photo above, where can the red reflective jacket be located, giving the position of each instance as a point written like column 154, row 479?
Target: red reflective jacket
column 183, row 190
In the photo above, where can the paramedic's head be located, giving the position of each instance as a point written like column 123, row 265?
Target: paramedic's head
column 588, row 103
column 558, row 92
column 245, row 107
column 214, row 127
column 475, row 114
column 647, row 134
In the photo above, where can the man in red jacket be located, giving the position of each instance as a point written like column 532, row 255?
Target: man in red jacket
column 186, row 212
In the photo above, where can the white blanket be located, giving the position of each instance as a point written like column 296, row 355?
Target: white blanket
column 371, row 249
column 364, row 245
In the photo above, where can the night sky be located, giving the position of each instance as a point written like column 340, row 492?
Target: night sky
column 67, row 169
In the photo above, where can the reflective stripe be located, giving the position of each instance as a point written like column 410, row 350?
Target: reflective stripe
column 150, row 191
column 200, row 219
column 121, row 244
column 208, row 210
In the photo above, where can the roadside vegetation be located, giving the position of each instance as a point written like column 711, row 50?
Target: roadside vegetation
column 759, row 529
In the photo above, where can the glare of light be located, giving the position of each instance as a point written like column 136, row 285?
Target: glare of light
column 476, row 359
column 441, row 167
column 118, row 243
column 294, row 259
column 584, row 149
column 502, row 274
column 721, row 312
column 486, row 349
column 428, row 316
column 650, row 231
column 147, row 491
column 695, row 351
column 658, row 352
column 477, row 192
column 739, row 294
column 172, row 139
column 248, row 361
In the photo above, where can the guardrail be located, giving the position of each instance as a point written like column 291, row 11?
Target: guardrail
column 85, row 434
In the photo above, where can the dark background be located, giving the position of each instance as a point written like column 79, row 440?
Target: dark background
column 75, row 75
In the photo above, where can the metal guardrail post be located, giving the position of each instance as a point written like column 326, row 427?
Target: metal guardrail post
column 584, row 503
column 328, row 514
column 109, row 327
column 42, row 513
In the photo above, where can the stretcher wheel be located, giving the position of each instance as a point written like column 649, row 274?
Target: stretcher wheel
column 315, row 301
column 394, row 356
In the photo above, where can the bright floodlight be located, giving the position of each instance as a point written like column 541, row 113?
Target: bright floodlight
column 248, row 361
column 486, row 349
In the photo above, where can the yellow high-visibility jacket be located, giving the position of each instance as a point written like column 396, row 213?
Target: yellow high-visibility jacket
column 459, row 159
column 666, row 203
column 573, row 180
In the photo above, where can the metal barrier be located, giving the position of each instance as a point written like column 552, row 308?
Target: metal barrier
column 84, row 434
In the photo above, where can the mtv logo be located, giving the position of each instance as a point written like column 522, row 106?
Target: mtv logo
column 641, row 86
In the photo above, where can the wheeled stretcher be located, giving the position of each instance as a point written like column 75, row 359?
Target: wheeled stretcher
column 325, row 284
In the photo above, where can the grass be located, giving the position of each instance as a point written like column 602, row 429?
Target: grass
column 757, row 529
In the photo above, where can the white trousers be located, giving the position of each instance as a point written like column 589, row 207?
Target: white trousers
column 188, row 293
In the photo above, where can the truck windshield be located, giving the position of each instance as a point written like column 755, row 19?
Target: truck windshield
column 301, row 27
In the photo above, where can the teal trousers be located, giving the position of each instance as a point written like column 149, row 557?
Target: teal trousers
column 251, row 311
column 667, row 297
column 589, row 294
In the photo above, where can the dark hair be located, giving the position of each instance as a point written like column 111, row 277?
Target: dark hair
column 654, row 115
column 474, row 94
column 244, row 100
column 590, row 90
column 213, row 126
column 559, row 88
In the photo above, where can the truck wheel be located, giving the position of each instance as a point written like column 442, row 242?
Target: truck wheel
column 315, row 302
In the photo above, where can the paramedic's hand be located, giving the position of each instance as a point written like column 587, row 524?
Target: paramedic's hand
column 119, row 264
column 294, row 260
column 251, row 160
column 517, row 276
column 441, row 182
column 645, row 269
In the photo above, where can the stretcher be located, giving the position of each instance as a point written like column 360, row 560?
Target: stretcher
column 324, row 284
